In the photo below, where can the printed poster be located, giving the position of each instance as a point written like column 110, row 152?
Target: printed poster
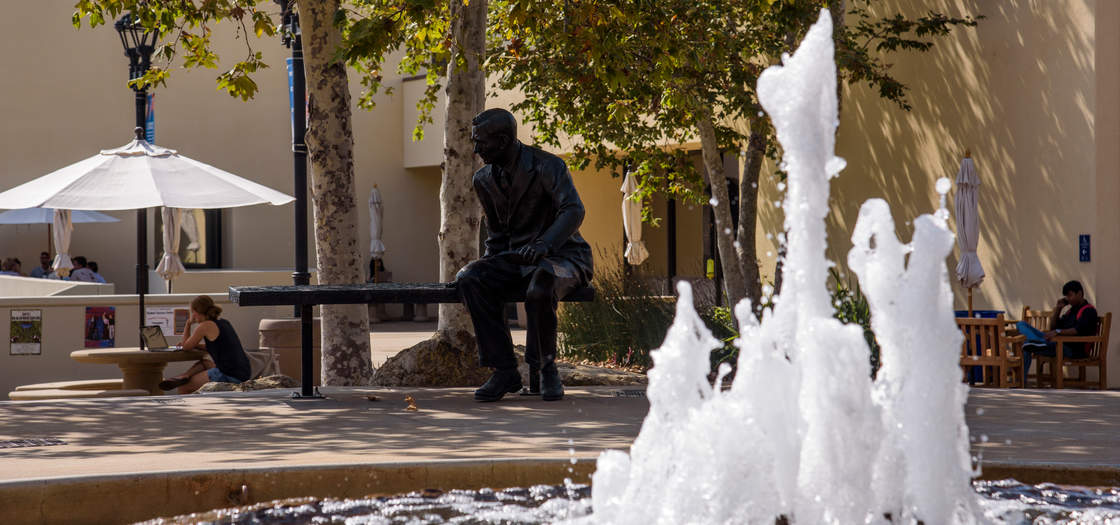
column 161, row 316
column 100, row 326
column 27, row 332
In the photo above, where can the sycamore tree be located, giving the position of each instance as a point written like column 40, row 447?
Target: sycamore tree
column 186, row 31
column 446, row 42
column 630, row 82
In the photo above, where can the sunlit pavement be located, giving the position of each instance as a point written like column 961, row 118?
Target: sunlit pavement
column 264, row 429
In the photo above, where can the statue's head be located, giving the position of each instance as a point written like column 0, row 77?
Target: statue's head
column 494, row 133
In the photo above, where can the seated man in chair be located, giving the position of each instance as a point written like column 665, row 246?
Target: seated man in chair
column 534, row 248
column 1079, row 320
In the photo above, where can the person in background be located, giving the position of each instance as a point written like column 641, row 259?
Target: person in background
column 44, row 268
column 93, row 268
column 9, row 267
column 1080, row 320
column 81, row 272
column 227, row 362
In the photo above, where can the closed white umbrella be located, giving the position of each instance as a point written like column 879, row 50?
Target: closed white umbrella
column 376, row 225
column 636, row 252
column 63, row 227
column 170, row 266
column 137, row 176
column 969, row 271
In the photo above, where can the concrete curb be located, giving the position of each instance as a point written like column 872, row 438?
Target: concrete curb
column 1058, row 473
column 128, row 498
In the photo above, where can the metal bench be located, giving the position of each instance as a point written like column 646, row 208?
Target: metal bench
column 307, row 296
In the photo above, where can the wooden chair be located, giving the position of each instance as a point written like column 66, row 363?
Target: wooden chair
column 1039, row 320
column 1096, row 356
column 987, row 345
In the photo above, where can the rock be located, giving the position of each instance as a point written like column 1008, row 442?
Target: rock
column 435, row 362
column 260, row 383
column 217, row 387
column 441, row 363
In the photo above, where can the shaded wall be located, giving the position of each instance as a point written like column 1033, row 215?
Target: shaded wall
column 1032, row 92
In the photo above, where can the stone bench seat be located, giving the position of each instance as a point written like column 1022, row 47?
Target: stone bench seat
column 366, row 293
column 59, row 393
column 88, row 384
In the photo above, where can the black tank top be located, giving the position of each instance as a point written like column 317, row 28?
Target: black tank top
column 227, row 353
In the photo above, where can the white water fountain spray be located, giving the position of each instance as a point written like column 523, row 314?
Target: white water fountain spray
column 803, row 432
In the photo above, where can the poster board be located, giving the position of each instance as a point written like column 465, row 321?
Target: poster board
column 100, row 326
column 26, row 333
column 170, row 319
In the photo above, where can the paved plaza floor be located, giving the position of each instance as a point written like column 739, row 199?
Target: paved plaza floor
column 264, row 429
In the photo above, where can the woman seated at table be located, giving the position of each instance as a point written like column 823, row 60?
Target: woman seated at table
column 227, row 362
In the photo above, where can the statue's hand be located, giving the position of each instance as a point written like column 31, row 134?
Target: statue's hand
column 533, row 253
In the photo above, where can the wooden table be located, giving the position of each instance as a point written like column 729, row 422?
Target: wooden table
column 142, row 369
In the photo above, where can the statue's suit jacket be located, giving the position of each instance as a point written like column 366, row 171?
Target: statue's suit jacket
column 541, row 205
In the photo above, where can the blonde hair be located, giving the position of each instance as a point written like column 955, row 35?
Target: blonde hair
column 204, row 305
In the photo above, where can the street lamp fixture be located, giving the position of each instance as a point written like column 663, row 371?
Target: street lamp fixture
column 139, row 44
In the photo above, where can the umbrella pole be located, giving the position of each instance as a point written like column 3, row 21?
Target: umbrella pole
column 141, row 264
column 970, row 301
column 50, row 241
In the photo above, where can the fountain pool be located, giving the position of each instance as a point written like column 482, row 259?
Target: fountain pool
column 1005, row 501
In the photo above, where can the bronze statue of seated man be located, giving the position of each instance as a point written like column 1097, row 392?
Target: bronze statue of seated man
column 534, row 248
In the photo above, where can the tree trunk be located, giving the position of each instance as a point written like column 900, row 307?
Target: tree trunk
column 733, row 280
column 748, row 209
column 330, row 143
column 837, row 9
column 459, row 209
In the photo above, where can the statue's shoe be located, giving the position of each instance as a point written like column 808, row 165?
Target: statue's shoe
column 551, row 387
column 502, row 382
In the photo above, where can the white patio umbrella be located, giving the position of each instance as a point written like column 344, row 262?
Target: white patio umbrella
column 376, row 224
column 170, row 266
column 636, row 251
column 969, row 271
column 48, row 216
column 137, row 176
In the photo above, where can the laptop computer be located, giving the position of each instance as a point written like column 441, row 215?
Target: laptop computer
column 154, row 340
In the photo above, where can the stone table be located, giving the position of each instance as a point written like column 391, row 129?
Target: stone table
column 142, row 369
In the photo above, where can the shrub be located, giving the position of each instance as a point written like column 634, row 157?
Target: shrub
column 627, row 319
column 852, row 308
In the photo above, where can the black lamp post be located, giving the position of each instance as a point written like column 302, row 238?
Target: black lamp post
column 294, row 40
column 139, row 45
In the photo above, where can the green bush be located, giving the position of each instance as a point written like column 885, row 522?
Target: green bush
column 627, row 319
column 852, row 308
